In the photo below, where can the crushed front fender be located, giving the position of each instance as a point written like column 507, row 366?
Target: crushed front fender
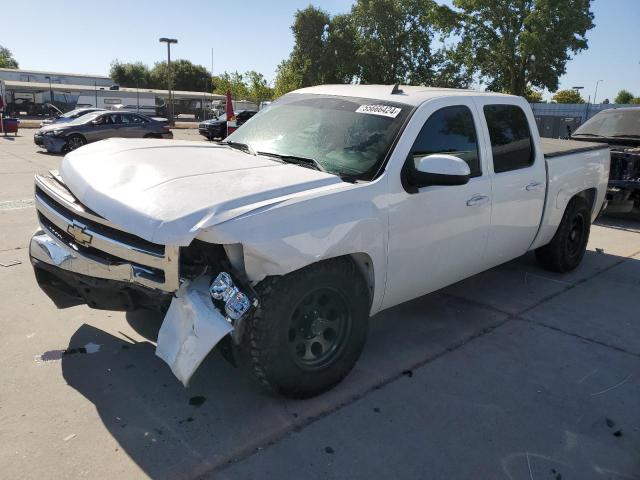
column 191, row 328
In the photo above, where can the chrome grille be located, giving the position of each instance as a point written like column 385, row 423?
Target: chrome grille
column 90, row 235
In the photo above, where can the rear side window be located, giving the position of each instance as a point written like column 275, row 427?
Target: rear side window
column 450, row 130
column 510, row 137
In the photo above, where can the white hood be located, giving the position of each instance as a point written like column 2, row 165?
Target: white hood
column 167, row 191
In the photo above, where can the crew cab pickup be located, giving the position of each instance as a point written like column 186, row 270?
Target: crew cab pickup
column 330, row 205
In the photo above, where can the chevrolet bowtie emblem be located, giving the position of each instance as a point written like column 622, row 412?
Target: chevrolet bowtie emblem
column 77, row 231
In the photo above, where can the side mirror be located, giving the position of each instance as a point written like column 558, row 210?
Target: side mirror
column 438, row 169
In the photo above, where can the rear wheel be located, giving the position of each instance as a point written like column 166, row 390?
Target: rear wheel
column 567, row 248
column 74, row 142
column 309, row 329
column 151, row 135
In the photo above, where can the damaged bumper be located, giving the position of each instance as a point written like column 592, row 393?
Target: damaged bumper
column 192, row 326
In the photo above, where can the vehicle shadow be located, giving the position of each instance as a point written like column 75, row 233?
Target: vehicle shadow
column 171, row 431
column 11, row 138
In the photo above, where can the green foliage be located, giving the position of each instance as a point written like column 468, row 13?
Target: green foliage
column 6, row 58
column 514, row 43
column 185, row 76
column 250, row 86
column 567, row 96
column 624, row 96
column 288, row 78
column 532, row 96
column 130, row 74
column 231, row 81
column 635, row 101
column 378, row 41
column 259, row 90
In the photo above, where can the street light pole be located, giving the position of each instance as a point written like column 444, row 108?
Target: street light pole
column 50, row 90
column 596, row 93
column 169, row 41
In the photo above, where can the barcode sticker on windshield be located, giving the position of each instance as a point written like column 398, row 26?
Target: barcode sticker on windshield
column 384, row 110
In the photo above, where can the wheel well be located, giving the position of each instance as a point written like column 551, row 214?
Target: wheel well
column 75, row 134
column 365, row 266
column 589, row 195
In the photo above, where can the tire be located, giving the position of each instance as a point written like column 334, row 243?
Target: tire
column 567, row 248
column 74, row 142
column 151, row 135
column 309, row 329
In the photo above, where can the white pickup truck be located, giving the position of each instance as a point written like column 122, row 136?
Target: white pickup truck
column 331, row 204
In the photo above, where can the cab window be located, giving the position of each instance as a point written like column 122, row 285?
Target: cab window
column 451, row 131
column 511, row 143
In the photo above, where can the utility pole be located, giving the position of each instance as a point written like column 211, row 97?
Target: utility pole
column 95, row 90
column 596, row 93
column 169, row 41
column 50, row 90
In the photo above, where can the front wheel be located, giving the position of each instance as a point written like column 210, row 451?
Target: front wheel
column 568, row 246
column 309, row 328
column 74, row 142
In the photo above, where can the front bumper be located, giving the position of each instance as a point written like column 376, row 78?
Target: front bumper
column 53, row 144
column 37, row 139
column 70, row 278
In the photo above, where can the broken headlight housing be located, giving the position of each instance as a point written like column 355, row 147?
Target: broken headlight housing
column 236, row 303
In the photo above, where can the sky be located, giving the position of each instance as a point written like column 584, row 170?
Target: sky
column 85, row 37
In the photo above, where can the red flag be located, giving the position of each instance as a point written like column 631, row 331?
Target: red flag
column 230, row 115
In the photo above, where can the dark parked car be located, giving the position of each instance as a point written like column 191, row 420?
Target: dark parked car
column 69, row 116
column 98, row 126
column 620, row 128
column 217, row 127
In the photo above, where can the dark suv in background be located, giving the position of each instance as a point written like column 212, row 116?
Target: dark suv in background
column 217, row 127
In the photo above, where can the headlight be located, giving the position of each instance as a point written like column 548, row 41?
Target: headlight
column 54, row 133
column 236, row 303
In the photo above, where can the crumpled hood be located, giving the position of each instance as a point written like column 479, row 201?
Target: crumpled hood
column 167, row 191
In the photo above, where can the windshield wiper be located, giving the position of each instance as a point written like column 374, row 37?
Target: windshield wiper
column 586, row 135
column 244, row 147
column 631, row 135
column 302, row 161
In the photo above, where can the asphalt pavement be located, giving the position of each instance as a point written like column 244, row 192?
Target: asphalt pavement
column 515, row 373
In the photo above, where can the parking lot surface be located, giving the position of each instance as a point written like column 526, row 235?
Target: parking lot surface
column 515, row 373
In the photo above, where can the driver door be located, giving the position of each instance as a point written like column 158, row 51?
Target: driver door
column 438, row 235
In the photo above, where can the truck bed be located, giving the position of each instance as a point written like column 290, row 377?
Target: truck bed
column 552, row 147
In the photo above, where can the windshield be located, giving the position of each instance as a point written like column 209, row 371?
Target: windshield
column 347, row 136
column 85, row 118
column 72, row 114
column 612, row 123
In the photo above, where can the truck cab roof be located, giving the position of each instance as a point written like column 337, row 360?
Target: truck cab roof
column 408, row 94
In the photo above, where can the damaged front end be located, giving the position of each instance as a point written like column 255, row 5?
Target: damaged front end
column 194, row 323
column 624, row 179
column 80, row 257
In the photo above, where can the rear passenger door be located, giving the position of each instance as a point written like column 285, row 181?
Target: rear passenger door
column 518, row 179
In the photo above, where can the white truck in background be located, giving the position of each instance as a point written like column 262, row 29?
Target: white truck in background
column 330, row 205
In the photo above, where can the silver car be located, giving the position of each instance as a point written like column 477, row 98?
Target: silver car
column 98, row 126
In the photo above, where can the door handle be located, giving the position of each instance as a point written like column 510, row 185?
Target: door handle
column 477, row 200
column 533, row 186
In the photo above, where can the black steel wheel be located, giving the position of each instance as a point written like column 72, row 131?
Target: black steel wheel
column 309, row 328
column 569, row 244
column 319, row 328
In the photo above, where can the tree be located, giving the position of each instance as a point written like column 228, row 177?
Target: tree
column 532, row 96
column 635, row 101
column 130, row 74
column 6, row 58
column 185, row 76
column 288, row 78
column 233, row 82
column 624, row 96
column 514, row 43
column 378, row 41
column 567, row 96
column 258, row 88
